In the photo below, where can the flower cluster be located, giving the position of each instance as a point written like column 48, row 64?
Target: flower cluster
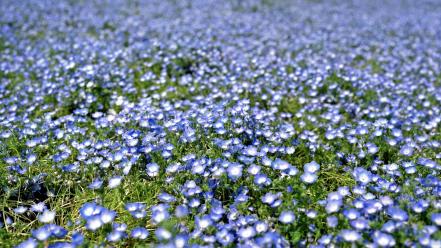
column 220, row 123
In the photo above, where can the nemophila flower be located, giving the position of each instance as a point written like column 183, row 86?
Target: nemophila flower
column 325, row 239
column 287, row 217
column 390, row 168
column 224, row 237
column 47, row 231
column 408, row 164
column 136, row 209
column 47, row 216
column 165, row 197
column 292, row 171
column 94, row 222
column 163, row 234
column 180, row 240
column 77, row 239
column 190, row 188
column 115, row 236
column 360, row 224
column 362, row 175
column 42, row 233
column 266, row 161
column 96, row 184
column 383, row 239
column 20, row 210
column 343, row 191
column 107, row 216
column 160, row 213
column 61, row 245
column 386, row 200
column 436, row 219
column 308, row 178
column 122, row 227
column 8, row 221
column 420, row 206
column 261, row 179
column 139, row 233
column 351, row 214
column 311, row 167
column 181, row 211
column 333, row 206
column 246, row 232
column 194, row 203
column 390, row 226
column 105, row 164
column 434, row 243
column 350, row 235
column 411, row 170
column 172, row 168
column 90, row 209
column 203, row 222
column 334, row 196
column 38, row 207
column 280, row 164
column 209, row 239
column 372, row 148
column 332, row 221
column 31, row 158
column 253, row 169
column 311, row 214
column 424, row 240
column 234, row 171
column 114, row 182
column 96, row 216
column 397, row 214
column 372, row 206
column 29, row 243
column 261, row 227
column 406, row 150
column 250, row 151
column 269, row 198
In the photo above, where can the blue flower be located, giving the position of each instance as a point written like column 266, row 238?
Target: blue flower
column 224, row 237
column 42, row 233
column 383, row 240
column 246, row 232
column 136, row 209
column 20, row 210
column 406, row 150
column 153, row 170
column 139, row 233
column 311, row 167
column 29, row 243
column 397, row 214
column 362, row 175
column 287, row 217
column 114, row 182
column 332, row 221
column 234, row 171
column 333, row 206
column 77, row 238
column 162, row 234
column 436, row 218
column 280, row 164
column 308, row 178
column 47, row 216
column 115, row 236
column 350, row 235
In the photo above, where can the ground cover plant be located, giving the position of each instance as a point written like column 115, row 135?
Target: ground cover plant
column 263, row 123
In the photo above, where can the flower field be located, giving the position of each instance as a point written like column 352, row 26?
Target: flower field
column 205, row 123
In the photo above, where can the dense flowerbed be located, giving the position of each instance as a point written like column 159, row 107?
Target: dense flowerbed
column 187, row 123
